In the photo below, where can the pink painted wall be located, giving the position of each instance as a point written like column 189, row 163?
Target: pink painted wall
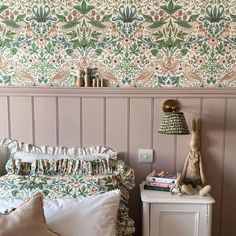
column 126, row 120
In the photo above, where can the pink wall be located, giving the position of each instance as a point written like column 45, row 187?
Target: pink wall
column 126, row 120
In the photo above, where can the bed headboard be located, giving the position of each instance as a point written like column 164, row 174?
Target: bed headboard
column 127, row 119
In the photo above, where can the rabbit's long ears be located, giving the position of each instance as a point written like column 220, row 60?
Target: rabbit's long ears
column 196, row 126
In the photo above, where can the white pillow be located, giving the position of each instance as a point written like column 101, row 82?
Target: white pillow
column 88, row 216
column 29, row 152
column 32, row 156
column 95, row 216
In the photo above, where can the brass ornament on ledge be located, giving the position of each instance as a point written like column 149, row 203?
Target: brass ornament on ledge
column 86, row 78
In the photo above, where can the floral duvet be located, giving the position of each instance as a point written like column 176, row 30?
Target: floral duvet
column 72, row 186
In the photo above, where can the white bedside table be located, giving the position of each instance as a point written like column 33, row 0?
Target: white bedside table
column 164, row 214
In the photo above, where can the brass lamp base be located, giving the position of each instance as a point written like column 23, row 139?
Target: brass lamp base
column 170, row 105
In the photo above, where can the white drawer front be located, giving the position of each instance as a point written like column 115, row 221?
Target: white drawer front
column 179, row 219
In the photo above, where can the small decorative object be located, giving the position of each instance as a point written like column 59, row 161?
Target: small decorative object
column 161, row 174
column 176, row 189
column 86, row 77
column 80, row 79
column 173, row 121
column 192, row 178
column 97, row 82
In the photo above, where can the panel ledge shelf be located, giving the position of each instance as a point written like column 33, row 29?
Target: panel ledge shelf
column 118, row 92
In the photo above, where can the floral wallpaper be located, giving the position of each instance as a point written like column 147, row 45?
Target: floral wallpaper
column 128, row 43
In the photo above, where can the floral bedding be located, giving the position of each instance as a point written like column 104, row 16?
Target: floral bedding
column 71, row 186
column 61, row 172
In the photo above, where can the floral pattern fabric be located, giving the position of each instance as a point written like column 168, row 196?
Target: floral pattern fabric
column 86, row 172
column 62, row 166
column 29, row 159
column 71, row 186
column 128, row 43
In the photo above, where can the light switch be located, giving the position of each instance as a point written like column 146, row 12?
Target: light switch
column 145, row 155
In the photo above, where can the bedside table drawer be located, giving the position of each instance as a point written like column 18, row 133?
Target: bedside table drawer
column 179, row 219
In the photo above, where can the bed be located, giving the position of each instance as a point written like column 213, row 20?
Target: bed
column 89, row 186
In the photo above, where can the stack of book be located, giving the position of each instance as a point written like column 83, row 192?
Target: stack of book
column 160, row 183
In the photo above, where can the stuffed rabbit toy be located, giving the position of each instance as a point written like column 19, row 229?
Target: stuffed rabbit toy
column 192, row 177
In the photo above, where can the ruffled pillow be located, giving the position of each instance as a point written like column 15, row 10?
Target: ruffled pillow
column 61, row 167
column 29, row 159
column 29, row 152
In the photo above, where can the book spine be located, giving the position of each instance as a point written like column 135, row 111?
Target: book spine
column 160, row 180
column 156, row 188
column 159, row 184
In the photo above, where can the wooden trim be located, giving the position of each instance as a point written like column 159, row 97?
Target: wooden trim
column 118, row 92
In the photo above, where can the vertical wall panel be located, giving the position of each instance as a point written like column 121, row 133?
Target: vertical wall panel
column 140, row 137
column 21, row 119
column 192, row 109
column 45, row 121
column 163, row 144
column 229, row 186
column 212, row 140
column 4, row 124
column 69, row 121
column 127, row 124
column 116, row 125
column 92, row 121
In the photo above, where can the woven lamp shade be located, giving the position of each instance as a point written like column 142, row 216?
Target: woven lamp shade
column 173, row 123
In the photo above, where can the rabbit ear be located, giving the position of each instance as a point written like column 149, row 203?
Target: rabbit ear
column 194, row 125
column 198, row 125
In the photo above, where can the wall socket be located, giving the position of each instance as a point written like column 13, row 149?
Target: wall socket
column 145, row 155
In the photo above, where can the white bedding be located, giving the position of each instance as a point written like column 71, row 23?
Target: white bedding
column 94, row 215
